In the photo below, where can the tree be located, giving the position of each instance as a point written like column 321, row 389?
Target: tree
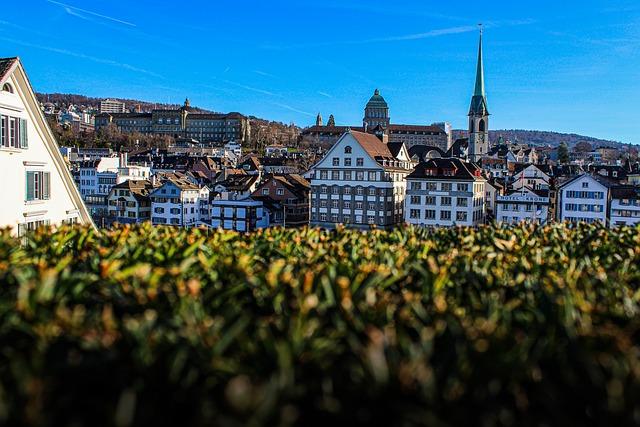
column 563, row 153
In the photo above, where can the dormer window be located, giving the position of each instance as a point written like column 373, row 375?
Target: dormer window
column 7, row 88
column 347, row 149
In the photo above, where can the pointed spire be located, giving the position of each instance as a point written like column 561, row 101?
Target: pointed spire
column 479, row 91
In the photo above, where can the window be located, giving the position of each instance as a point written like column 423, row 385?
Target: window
column 446, row 186
column 280, row 192
column 445, row 215
column 462, row 202
column 334, row 204
column 445, row 201
column 585, row 185
column 463, row 187
column 414, row 214
column 265, row 191
column 359, row 191
column 323, row 189
column 359, row 176
column 335, row 190
column 7, row 88
column 13, row 132
column 359, row 161
column 461, row 216
column 335, row 176
column 372, row 176
column 415, row 200
column 430, row 201
column 347, row 149
column 347, row 205
column 347, row 190
column 429, row 214
column 359, row 205
column 347, row 175
column 336, row 161
column 432, row 186
column 416, row 186
column 372, row 191
column 347, row 161
column 38, row 186
column 324, row 174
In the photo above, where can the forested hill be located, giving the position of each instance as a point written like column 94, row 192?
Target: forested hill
column 538, row 137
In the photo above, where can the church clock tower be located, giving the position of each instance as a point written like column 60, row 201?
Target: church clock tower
column 478, row 115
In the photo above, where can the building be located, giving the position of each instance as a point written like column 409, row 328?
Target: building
column 523, row 205
column 38, row 187
column 625, row 205
column 360, row 182
column 478, row 115
column 376, row 112
column 445, row 192
column 286, row 197
column 179, row 202
column 111, row 106
column 129, row 202
column 584, row 198
column 239, row 215
column 185, row 122
column 535, row 177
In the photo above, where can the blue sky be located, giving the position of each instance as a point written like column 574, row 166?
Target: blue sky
column 570, row 66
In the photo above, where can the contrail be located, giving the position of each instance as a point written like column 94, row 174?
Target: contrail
column 66, row 6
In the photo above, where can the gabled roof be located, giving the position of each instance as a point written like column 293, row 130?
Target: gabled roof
column 458, row 148
column 600, row 179
column 238, row 182
column 461, row 170
column 422, row 150
column 139, row 189
column 7, row 65
column 372, row 145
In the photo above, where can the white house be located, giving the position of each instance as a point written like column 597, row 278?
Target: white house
column 360, row 182
column 38, row 188
column 239, row 215
column 178, row 202
column 584, row 198
column 625, row 205
column 531, row 176
column 445, row 192
column 523, row 205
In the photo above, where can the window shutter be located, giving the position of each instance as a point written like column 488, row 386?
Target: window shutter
column 46, row 185
column 4, row 131
column 24, row 140
column 30, row 185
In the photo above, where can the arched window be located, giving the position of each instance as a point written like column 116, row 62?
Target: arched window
column 7, row 88
column 471, row 126
column 347, row 149
column 482, row 126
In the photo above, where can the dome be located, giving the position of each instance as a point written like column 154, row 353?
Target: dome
column 377, row 101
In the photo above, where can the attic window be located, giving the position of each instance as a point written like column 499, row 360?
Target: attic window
column 347, row 149
column 7, row 88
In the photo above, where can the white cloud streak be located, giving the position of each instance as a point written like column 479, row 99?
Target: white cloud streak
column 325, row 94
column 83, row 56
column 72, row 10
column 290, row 108
column 251, row 88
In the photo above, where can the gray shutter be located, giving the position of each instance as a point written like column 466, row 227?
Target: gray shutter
column 46, row 185
column 30, row 185
column 4, row 135
column 24, row 141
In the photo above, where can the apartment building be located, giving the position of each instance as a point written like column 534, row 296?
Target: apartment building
column 38, row 187
column 360, row 182
column 111, row 106
column 129, row 202
column 532, row 176
column 179, row 202
column 625, row 205
column 584, row 198
column 286, row 197
column 444, row 193
column 523, row 205
column 239, row 215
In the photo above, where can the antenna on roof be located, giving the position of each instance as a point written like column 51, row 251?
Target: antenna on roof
column 481, row 29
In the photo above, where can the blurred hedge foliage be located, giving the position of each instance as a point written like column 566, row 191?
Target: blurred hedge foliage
column 158, row 326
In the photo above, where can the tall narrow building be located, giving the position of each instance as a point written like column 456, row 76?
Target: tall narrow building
column 478, row 115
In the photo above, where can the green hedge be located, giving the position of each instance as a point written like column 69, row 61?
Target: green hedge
column 157, row 326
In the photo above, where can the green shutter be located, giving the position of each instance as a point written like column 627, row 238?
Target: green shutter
column 46, row 185
column 30, row 185
column 24, row 141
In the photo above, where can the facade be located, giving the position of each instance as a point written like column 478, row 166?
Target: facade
column 39, row 189
column 376, row 112
column 479, row 115
column 444, row 193
column 359, row 183
column 287, row 199
column 531, row 176
column 111, row 106
column 179, row 202
column 239, row 215
column 184, row 122
column 584, row 198
column 625, row 205
column 129, row 202
column 524, row 205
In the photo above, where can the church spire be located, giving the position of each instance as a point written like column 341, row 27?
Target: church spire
column 479, row 91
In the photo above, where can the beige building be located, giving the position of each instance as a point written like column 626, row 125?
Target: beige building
column 111, row 106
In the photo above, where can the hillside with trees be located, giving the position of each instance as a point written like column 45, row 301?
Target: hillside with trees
column 537, row 137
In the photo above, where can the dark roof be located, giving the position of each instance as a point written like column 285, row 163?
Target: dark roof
column 139, row 189
column 376, row 101
column 519, row 167
column 395, row 148
column 6, row 65
column 456, row 149
column 602, row 180
column 238, row 182
column 625, row 192
column 422, row 150
column 461, row 170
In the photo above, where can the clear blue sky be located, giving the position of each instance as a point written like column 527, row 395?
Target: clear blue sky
column 569, row 66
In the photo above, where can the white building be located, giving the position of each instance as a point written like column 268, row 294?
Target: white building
column 530, row 176
column 360, row 182
column 179, row 202
column 584, row 198
column 111, row 106
column 98, row 176
column 445, row 192
column 129, row 202
column 239, row 215
column 625, row 205
column 523, row 205
column 38, row 188
column 233, row 147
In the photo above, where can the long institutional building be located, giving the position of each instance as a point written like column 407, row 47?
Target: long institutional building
column 377, row 120
column 184, row 122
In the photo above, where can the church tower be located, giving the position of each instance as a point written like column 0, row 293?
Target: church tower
column 478, row 114
column 319, row 120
